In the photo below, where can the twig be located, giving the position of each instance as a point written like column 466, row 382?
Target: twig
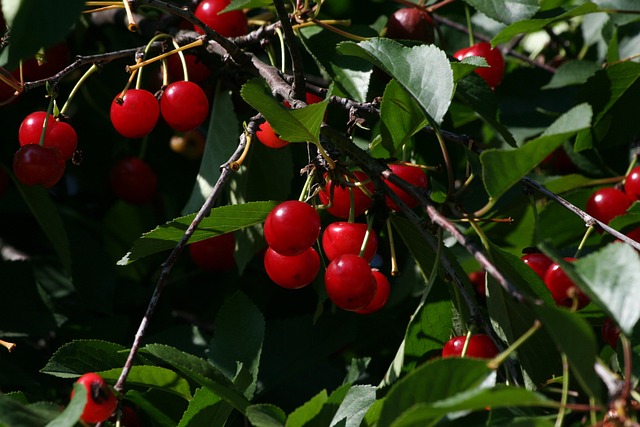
column 294, row 52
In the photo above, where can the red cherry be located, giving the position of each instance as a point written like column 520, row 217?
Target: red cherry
column 478, row 279
column 480, row 346
column 35, row 164
column 350, row 282
column 292, row 227
column 607, row 203
column 133, row 181
column 632, row 184
column 198, row 72
column 411, row 23
column 53, row 60
column 228, row 24
column 610, row 332
column 136, row 115
column 59, row 134
column 414, row 176
column 538, row 262
column 341, row 238
column 309, row 98
column 562, row 287
column 101, row 401
column 184, row 105
column 268, row 136
column 492, row 75
column 292, row 272
column 634, row 234
column 342, row 198
column 558, row 162
column 215, row 253
column 383, row 290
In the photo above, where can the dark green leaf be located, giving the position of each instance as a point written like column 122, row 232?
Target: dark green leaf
column 246, row 4
column 266, row 415
column 467, row 66
column 80, row 356
column 401, row 118
column 308, row 411
column 508, row 11
column 572, row 73
column 152, row 377
column 158, row 412
column 71, row 414
column 14, row 413
column 204, row 409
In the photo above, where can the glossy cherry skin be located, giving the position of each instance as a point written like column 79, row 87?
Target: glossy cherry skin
column 383, row 290
column 137, row 115
column 341, row 238
column 34, row 164
column 610, row 333
column 101, row 400
column 480, row 346
column 292, row 227
column 215, row 253
column 133, row 181
column 562, row 287
column 538, row 262
column 269, row 137
column 198, row 72
column 632, row 184
column 342, row 199
column 495, row 72
column 292, row 272
column 607, row 203
column 59, row 134
column 349, row 282
column 414, row 176
column 229, row 24
column 184, row 105
column 411, row 23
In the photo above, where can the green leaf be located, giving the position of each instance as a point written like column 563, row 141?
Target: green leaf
column 565, row 183
column 221, row 220
column 354, row 406
column 14, row 413
column 203, row 410
column 237, row 339
column 77, row 357
column 294, row 125
column 35, row 25
column 504, row 168
column 266, row 415
column 157, row 411
column 572, row 73
column 506, row 11
column 71, row 414
column 308, row 411
column 533, row 25
column 467, row 66
column 424, row 71
column 152, row 377
column 246, row 4
column 401, row 118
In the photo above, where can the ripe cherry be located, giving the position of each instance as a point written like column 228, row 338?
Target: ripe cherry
column 411, row 23
column 136, row 114
column 632, row 184
column 190, row 144
column 341, row 201
column 558, row 162
column 184, row 105
column 198, row 72
column 480, row 346
column 349, row 282
column 133, row 181
column 414, row 176
column 292, row 272
column 538, row 262
column 35, row 164
column 215, row 253
column 607, row 203
column 341, row 238
column 495, row 72
column 101, row 401
column 292, row 227
column 562, row 287
column 610, row 332
column 383, row 290
column 228, row 24
column 478, row 279
column 269, row 137
column 59, row 134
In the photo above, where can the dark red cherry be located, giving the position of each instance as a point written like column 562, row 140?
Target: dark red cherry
column 184, row 105
column 292, row 227
column 136, row 114
column 632, row 184
column 538, row 262
column 607, row 203
column 59, row 134
column 413, row 175
column 495, row 72
column 341, row 201
column 349, row 282
column 228, row 24
column 610, row 332
column 292, row 272
column 480, row 346
column 133, row 181
column 562, row 287
column 341, row 238
column 478, row 279
column 215, row 253
column 411, row 23
column 45, row 65
column 34, row 164
column 383, row 290
column 198, row 72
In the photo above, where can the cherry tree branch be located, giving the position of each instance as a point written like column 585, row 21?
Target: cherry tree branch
column 294, row 52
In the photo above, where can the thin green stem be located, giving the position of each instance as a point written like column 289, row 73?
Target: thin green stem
column 79, row 83
column 536, row 219
column 144, row 55
column 283, row 51
column 307, row 185
column 583, row 241
column 52, row 99
column 466, row 344
column 447, row 161
column 352, row 206
column 392, row 250
column 499, row 359
column 365, row 241
column 565, row 390
column 467, row 15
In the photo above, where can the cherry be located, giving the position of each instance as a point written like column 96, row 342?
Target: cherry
column 632, row 184
column 610, row 332
column 341, row 238
column 101, row 400
column 268, row 136
column 607, row 203
column 538, row 262
column 383, row 290
column 492, row 75
column 228, row 24
column 133, row 181
column 198, row 72
column 562, row 287
column 341, row 197
column 414, row 176
column 292, row 272
column 35, row 164
column 184, row 105
column 215, row 253
column 558, row 162
column 136, row 114
column 292, row 227
column 480, row 346
column 190, row 144
column 349, row 282
column 411, row 23
column 59, row 134
column 41, row 66
column 478, row 279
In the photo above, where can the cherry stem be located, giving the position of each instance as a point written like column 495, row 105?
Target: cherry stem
column 8, row 345
column 132, row 26
column 467, row 14
column 131, row 68
column 46, row 118
column 345, row 22
column 235, row 165
column 500, row 358
column 304, row 194
column 352, row 206
column 466, row 344
column 77, row 86
column 583, row 241
column 339, row 31
column 447, row 161
column 365, row 241
column 565, row 390
column 392, row 250
column 325, row 156
column 297, row 66
column 283, row 56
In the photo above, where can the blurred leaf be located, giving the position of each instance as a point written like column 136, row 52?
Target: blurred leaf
column 565, row 183
column 423, row 71
column 401, row 118
column 152, row 377
column 266, row 415
column 572, row 73
column 305, row 413
column 246, row 4
column 78, row 357
column 157, row 412
column 14, row 413
column 71, row 414
column 508, row 11
column 354, row 406
column 204, row 409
